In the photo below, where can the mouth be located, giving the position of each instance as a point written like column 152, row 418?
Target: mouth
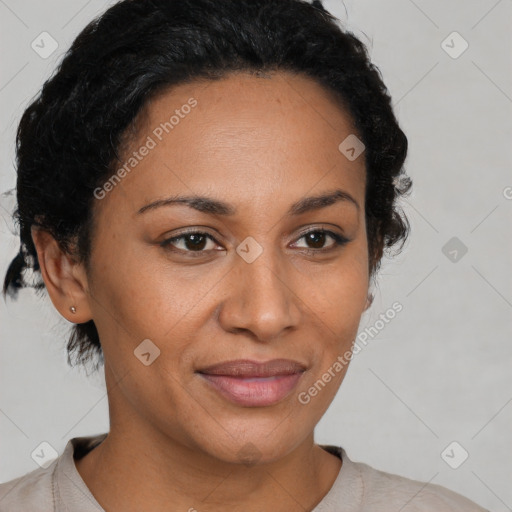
column 251, row 383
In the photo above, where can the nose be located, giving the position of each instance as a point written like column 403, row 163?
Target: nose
column 261, row 300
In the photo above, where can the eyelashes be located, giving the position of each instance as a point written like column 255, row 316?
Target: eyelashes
column 339, row 240
column 196, row 237
column 194, row 242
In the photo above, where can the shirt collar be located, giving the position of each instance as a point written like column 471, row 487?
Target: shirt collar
column 71, row 492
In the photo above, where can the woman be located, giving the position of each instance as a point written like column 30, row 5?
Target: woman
column 207, row 190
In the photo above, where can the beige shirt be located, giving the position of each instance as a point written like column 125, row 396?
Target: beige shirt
column 357, row 488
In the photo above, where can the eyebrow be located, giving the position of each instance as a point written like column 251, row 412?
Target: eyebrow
column 211, row 206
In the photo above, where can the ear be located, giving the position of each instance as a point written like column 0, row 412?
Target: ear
column 369, row 301
column 65, row 278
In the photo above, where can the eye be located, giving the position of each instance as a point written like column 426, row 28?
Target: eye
column 192, row 242
column 318, row 237
column 195, row 243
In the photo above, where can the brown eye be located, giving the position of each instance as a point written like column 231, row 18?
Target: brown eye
column 194, row 242
column 317, row 238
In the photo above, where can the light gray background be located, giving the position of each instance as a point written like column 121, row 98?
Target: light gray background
column 441, row 370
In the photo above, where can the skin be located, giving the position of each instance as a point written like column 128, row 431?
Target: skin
column 259, row 144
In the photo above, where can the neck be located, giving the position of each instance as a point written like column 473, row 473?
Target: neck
column 141, row 467
column 136, row 468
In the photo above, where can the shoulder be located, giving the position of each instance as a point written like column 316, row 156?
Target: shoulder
column 366, row 489
column 33, row 491
column 57, row 486
column 412, row 495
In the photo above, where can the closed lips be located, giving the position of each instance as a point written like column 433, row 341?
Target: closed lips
column 245, row 369
column 247, row 383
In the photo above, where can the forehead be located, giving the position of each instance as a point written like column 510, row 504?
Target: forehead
column 246, row 109
column 258, row 134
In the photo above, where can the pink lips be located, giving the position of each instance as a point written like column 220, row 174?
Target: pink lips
column 254, row 384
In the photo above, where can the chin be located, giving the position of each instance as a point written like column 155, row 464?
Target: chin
column 260, row 450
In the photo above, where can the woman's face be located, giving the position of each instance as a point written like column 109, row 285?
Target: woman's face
column 251, row 284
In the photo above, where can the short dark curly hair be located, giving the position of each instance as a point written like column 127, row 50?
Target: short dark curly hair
column 69, row 137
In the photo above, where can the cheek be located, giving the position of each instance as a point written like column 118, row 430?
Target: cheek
column 337, row 299
column 337, row 293
column 337, row 308
column 346, row 298
column 139, row 293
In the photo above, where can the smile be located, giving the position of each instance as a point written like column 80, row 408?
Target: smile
column 253, row 391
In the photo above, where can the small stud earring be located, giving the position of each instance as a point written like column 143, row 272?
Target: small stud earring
column 72, row 309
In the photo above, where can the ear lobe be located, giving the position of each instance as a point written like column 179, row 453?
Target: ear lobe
column 369, row 302
column 64, row 280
